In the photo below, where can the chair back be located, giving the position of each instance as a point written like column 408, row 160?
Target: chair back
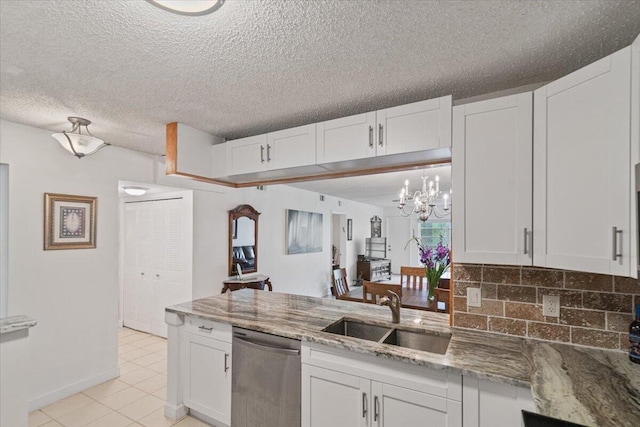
column 413, row 277
column 339, row 282
column 373, row 291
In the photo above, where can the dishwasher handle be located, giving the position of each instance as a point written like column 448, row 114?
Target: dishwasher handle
column 266, row 347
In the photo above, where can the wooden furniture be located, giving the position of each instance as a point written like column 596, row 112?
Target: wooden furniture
column 243, row 239
column 340, row 285
column 374, row 270
column 413, row 277
column 256, row 281
column 372, row 292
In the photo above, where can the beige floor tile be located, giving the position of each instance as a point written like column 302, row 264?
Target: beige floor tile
column 52, row 423
column 162, row 352
column 158, row 346
column 136, row 376
column 153, row 384
column 132, row 338
column 122, row 398
column 146, row 342
column 127, row 367
column 191, row 422
column 37, row 418
column 134, row 354
column 84, row 415
column 105, row 389
column 64, row 406
column 149, row 359
column 124, row 332
column 113, row 419
column 162, row 393
column 160, row 367
column 125, row 348
column 141, row 408
column 157, row 419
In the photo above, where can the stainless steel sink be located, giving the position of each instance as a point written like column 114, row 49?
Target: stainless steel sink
column 356, row 329
column 418, row 341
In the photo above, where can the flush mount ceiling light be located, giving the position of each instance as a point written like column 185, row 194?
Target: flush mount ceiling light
column 188, row 7
column 79, row 144
column 135, row 191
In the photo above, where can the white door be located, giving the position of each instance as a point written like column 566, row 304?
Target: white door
column 581, row 168
column 414, row 127
column 247, row 155
column 492, row 176
column 334, row 399
column 398, row 233
column 346, row 138
column 290, row 148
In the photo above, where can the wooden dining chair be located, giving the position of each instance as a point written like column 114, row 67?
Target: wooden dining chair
column 413, row 277
column 378, row 290
column 340, row 285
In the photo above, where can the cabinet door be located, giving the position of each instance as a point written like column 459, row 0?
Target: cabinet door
column 492, row 404
column 207, row 376
column 247, row 155
column 334, row 399
column 581, row 168
column 492, row 177
column 414, row 127
column 346, row 138
column 290, row 148
column 399, row 407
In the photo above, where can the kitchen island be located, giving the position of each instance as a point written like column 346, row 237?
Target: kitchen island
column 580, row 384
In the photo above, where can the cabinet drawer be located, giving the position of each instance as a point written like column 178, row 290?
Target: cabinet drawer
column 208, row 328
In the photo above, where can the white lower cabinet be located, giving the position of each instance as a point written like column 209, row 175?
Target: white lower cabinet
column 206, row 367
column 492, row 404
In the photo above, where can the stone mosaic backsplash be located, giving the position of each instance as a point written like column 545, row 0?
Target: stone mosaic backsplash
column 595, row 309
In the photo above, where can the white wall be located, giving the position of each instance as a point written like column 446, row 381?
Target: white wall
column 73, row 294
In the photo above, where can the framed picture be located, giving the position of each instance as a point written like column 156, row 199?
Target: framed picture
column 69, row 221
column 304, row 232
column 349, row 229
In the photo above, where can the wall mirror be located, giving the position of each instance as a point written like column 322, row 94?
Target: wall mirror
column 243, row 239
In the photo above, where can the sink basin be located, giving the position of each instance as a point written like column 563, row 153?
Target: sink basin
column 418, row 341
column 356, row 329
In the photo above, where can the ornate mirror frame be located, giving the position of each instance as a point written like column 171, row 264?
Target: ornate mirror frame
column 240, row 212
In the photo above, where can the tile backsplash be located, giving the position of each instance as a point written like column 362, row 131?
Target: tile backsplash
column 595, row 309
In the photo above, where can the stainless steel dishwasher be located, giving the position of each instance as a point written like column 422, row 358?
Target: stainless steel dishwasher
column 265, row 380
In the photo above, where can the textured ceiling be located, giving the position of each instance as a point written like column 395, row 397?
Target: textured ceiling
column 257, row 66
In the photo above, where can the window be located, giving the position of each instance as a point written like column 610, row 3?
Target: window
column 430, row 233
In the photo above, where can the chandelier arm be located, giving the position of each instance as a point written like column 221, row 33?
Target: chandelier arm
column 104, row 144
column 78, row 155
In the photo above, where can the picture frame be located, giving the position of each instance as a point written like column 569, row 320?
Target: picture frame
column 303, row 232
column 69, row 221
column 349, row 229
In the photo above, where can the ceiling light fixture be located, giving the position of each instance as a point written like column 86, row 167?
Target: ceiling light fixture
column 188, row 7
column 79, row 144
column 424, row 201
column 135, row 191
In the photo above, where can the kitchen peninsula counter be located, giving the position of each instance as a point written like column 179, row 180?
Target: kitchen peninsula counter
column 585, row 385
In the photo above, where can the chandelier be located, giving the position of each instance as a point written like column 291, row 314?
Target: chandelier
column 424, row 201
column 77, row 143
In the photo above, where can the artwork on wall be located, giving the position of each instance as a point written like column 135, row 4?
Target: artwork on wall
column 69, row 221
column 376, row 226
column 349, row 229
column 304, row 232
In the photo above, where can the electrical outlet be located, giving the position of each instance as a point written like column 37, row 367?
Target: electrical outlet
column 551, row 305
column 474, row 297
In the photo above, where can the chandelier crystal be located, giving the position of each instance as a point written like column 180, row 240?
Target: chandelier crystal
column 424, row 200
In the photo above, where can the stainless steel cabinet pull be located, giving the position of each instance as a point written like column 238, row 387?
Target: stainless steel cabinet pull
column 380, row 133
column 370, row 136
column 376, row 408
column 262, row 154
column 226, row 362
column 204, row 328
column 616, row 255
column 268, row 153
column 526, row 241
column 364, row 405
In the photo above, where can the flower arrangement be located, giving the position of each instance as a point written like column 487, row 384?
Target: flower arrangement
column 436, row 261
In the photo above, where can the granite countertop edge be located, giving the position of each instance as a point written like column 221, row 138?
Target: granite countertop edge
column 16, row 323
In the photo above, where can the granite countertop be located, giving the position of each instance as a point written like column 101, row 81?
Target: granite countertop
column 16, row 323
column 579, row 384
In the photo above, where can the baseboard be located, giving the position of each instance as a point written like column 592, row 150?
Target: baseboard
column 175, row 412
column 206, row 419
column 72, row 389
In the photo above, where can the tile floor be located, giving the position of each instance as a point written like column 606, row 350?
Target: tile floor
column 135, row 398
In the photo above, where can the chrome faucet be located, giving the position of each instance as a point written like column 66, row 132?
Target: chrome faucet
column 394, row 305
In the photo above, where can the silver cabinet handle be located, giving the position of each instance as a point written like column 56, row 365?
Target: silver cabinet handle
column 268, row 153
column 204, row 328
column 262, row 154
column 226, row 362
column 364, row 405
column 380, row 133
column 526, row 241
column 370, row 136
column 615, row 254
column 376, row 408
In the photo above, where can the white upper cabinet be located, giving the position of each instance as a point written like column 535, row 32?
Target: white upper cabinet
column 346, row 138
column 582, row 169
column 246, row 155
column 414, row 127
column 492, row 178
